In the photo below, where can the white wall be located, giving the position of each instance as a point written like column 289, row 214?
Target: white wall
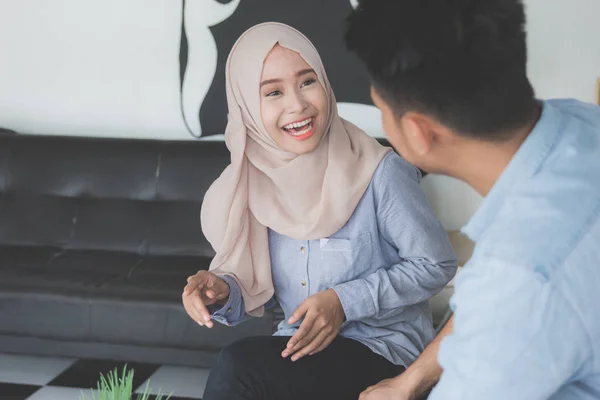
column 564, row 47
column 564, row 61
column 104, row 68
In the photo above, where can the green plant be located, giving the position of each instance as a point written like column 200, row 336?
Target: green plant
column 120, row 388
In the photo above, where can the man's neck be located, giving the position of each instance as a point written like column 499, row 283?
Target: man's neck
column 481, row 163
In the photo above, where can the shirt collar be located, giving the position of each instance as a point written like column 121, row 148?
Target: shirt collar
column 524, row 164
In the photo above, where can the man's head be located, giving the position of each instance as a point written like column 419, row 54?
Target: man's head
column 444, row 72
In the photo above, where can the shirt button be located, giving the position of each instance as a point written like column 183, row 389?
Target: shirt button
column 302, row 249
column 303, row 283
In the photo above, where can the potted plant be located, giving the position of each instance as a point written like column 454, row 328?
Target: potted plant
column 117, row 387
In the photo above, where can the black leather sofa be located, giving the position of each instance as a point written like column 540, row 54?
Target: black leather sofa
column 97, row 237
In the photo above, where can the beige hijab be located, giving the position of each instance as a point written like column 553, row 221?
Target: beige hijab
column 304, row 197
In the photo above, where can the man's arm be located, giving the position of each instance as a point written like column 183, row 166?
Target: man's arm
column 425, row 371
column 515, row 335
column 418, row 378
column 506, row 341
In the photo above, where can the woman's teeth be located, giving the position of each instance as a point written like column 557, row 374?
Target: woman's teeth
column 294, row 129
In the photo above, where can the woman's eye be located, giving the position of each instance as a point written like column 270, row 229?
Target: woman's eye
column 273, row 93
column 309, row 82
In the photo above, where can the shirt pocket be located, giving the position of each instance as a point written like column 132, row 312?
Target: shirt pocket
column 343, row 260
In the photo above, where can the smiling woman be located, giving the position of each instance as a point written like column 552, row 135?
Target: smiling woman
column 293, row 102
column 306, row 216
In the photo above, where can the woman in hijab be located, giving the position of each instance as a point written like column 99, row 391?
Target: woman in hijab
column 313, row 214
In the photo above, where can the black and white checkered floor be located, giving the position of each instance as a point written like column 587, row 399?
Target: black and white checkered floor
column 50, row 378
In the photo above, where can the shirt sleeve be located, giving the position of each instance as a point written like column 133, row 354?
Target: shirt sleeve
column 234, row 312
column 405, row 220
column 515, row 336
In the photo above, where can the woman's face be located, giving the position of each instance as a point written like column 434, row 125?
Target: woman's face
column 293, row 103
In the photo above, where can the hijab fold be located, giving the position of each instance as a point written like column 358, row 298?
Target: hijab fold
column 305, row 197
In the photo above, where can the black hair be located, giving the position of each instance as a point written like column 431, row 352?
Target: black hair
column 463, row 62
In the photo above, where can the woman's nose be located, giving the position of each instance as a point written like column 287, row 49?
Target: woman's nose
column 297, row 102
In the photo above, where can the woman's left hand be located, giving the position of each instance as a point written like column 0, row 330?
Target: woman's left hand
column 323, row 317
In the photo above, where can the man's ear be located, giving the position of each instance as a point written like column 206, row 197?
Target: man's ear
column 417, row 132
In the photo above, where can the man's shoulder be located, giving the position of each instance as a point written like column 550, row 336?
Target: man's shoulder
column 579, row 126
column 549, row 212
column 539, row 227
column 576, row 108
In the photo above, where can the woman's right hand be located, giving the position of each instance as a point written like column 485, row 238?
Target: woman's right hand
column 204, row 289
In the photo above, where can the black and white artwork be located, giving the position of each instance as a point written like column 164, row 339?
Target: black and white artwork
column 151, row 68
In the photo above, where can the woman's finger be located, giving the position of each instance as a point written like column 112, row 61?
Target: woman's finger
column 193, row 282
column 303, row 334
column 324, row 345
column 215, row 289
column 300, row 312
column 304, row 340
column 191, row 310
column 311, row 346
column 190, row 287
column 201, row 309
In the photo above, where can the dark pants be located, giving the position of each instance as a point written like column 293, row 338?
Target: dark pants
column 253, row 369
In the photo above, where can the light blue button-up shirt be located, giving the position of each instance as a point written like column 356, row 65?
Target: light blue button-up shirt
column 527, row 304
column 384, row 264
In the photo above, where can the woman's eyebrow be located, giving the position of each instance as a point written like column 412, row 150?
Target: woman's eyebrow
column 305, row 71
column 298, row 74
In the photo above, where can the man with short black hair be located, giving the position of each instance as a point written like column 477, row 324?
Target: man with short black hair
column 450, row 79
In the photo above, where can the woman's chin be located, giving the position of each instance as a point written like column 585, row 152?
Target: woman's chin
column 305, row 146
